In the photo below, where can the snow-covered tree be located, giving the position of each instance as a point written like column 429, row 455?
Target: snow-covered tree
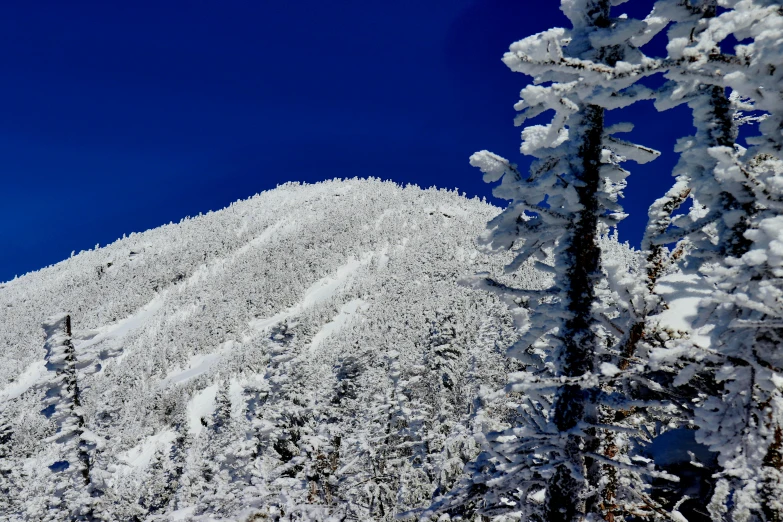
column 70, row 474
column 550, row 462
column 8, row 490
column 734, row 226
column 447, row 386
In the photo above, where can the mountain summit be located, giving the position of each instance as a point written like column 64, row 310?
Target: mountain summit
column 307, row 353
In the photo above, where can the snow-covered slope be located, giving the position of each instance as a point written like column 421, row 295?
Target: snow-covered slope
column 306, row 352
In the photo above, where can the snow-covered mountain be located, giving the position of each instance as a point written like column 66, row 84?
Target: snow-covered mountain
column 303, row 354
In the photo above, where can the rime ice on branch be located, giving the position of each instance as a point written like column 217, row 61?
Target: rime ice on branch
column 737, row 231
column 548, row 466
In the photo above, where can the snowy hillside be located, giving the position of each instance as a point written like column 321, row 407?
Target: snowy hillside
column 304, row 353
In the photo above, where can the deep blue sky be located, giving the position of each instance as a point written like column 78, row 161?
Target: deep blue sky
column 119, row 117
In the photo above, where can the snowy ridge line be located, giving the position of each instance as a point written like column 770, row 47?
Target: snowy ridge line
column 290, row 187
column 236, row 219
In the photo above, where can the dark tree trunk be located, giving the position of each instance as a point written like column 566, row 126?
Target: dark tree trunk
column 573, row 405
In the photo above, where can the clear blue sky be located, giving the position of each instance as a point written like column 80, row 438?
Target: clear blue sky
column 119, row 117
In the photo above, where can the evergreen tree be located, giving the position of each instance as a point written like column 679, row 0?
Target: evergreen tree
column 734, row 226
column 8, row 490
column 555, row 219
column 229, row 453
column 71, row 474
column 446, row 391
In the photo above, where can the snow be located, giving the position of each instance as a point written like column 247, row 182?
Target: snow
column 92, row 348
column 447, row 211
column 452, row 211
column 609, row 369
column 261, row 325
column 141, row 455
column 539, row 496
column 221, row 264
column 379, row 221
column 123, row 327
column 328, row 286
column 29, row 378
column 197, row 365
column 280, row 396
column 383, row 257
column 320, row 291
column 682, row 294
column 202, row 405
column 236, row 391
column 347, row 313
column 279, row 227
column 182, row 514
